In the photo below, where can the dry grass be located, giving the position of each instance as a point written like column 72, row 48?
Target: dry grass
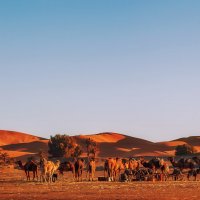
column 14, row 186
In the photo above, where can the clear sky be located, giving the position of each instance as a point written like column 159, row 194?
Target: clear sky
column 82, row 67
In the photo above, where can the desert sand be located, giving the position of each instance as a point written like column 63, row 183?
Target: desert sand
column 14, row 186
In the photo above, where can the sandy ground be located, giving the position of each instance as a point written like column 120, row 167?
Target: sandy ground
column 14, row 186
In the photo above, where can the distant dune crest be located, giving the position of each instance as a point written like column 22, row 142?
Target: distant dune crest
column 22, row 145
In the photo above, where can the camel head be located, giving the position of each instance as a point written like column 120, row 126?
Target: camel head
column 19, row 163
column 161, row 162
column 57, row 162
column 196, row 159
column 142, row 160
column 43, row 162
column 171, row 159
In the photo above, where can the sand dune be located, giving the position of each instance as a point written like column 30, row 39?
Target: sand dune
column 13, row 137
column 173, row 143
column 21, row 145
column 105, row 137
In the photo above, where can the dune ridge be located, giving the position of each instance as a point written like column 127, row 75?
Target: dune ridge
column 22, row 145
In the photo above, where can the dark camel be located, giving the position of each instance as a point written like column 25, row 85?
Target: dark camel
column 196, row 160
column 154, row 164
column 67, row 166
column 29, row 166
column 187, row 163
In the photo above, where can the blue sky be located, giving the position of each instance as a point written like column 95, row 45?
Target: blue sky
column 81, row 67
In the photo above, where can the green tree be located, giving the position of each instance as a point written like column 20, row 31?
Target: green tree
column 184, row 149
column 42, row 154
column 91, row 147
column 77, row 152
column 61, row 145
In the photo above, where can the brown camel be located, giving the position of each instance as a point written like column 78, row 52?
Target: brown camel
column 109, row 168
column 91, row 169
column 131, row 167
column 113, row 167
column 47, row 169
column 67, row 166
column 118, row 167
column 133, row 164
column 79, row 165
column 29, row 166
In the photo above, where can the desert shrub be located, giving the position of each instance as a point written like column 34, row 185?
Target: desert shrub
column 4, row 157
column 184, row 149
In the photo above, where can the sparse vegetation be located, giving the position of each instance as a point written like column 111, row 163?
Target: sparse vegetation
column 4, row 157
column 91, row 147
column 61, row 145
column 77, row 152
column 184, row 149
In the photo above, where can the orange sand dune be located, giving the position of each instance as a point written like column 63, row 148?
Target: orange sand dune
column 22, row 145
column 173, row 143
column 104, row 137
column 13, row 137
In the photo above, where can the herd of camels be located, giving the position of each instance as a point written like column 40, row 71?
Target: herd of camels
column 114, row 168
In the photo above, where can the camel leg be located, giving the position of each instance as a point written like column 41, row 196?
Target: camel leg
column 33, row 175
column 81, row 175
column 73, row 174
column 92, row 176
column 51, row 177
column 88, row 172
column 45, row 176
column 119, row 174
column 36, row 174
column 28, row 175
column 188, row 177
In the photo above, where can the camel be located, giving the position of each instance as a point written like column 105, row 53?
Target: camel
column 131, row 167
column 194, row 173
column 133, row 164
column 165, row 170
column 113, row 168
column 196, row 160
column 182, row 163
column 118, row 167
column 79, row 165
column 177, row 174
column 48, row 168
column 151, row 164
column 91, row 169
column 67, row 166
column 29, row 166
column 156, row 164
column 109, row 167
